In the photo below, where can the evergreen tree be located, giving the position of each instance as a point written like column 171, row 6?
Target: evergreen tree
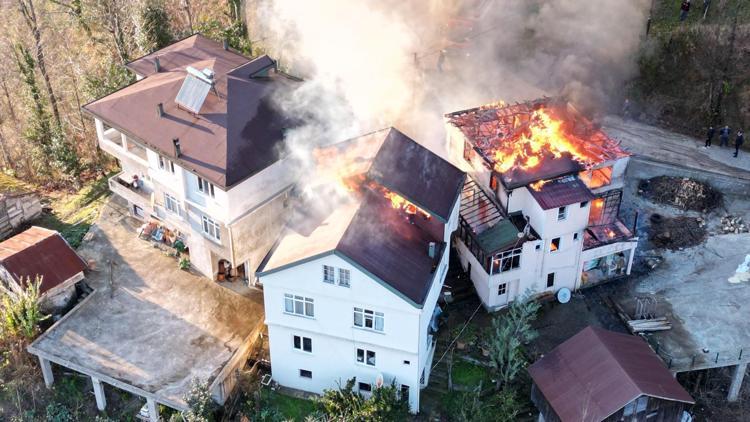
column 156, row 31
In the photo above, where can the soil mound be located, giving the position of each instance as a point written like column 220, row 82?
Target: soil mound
column 683, row 193
column 676, row 233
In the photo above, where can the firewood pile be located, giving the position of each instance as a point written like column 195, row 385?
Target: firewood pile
column 684, row 193
column 652, row 324
column 731, row 224
column 678, row 232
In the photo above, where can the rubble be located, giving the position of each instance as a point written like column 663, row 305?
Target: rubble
column 683, row 193
column 677, row 233
column 731, row 224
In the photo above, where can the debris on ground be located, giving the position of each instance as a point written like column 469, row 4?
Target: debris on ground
column 742, row 273
column 684, row 193
column 676, row 233
column 653, row 324
column 731, row 224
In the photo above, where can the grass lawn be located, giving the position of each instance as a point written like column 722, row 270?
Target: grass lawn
column 73, row 213
column 291, row 407
column 469, row 375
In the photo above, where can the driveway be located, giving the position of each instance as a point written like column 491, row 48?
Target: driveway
column 152, row 326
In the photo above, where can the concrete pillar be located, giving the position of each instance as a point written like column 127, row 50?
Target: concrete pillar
column 737, row 377
column 101, row 401
column 49, row 379
column 153, row 410
column 630, row 261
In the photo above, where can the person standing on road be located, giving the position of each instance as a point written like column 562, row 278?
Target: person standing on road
column 709, row 136
column 724, row 136
column 684, row 10
column 738, row 142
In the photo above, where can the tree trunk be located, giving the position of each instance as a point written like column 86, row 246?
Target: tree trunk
column 189, row 14
column 11, row 110
column 27, row 10
column 8, row 163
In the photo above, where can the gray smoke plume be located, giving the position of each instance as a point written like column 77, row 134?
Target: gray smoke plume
column 374, row 63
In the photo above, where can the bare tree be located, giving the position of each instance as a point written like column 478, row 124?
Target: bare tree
column 32, row 22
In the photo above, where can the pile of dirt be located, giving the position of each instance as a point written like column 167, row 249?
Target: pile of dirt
column 684, row 193
column 676, row 233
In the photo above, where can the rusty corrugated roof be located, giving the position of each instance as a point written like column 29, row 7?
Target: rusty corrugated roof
column 560, row 192
column 597, row 372
column 38, row 251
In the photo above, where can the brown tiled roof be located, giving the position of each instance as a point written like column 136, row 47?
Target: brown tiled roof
column 597, row 372
column 238, row 131
column 416, row 173
column 560, row 192
column 42, row 252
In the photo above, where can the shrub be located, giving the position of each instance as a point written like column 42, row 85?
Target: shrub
column 347, row 404
column 201, row 407
column 19, row 309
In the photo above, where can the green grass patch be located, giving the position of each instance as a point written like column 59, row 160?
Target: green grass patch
column 290, row 407
column 470, row 375
column 73, row 214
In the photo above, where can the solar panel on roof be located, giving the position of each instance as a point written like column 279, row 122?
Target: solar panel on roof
column 194, row 89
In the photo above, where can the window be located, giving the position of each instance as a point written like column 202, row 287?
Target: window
column 299, row 305
column 468, row 150
column 211, row 228
column 303, row 343
column 404, row 392
column 575, row 236
column 406, row 362
column 171, row 204
column 344, row 277
column 555, row 245
column 304, row 373
column 506, row 261
column 493, row 182
column 363, row 386
column 502, row 289
column 550, row 279
column 365, row 318
column 366, row 356
column 166, row 165
column 562, row 213
column 328, row 274
column 584, row 204
column 206, row 187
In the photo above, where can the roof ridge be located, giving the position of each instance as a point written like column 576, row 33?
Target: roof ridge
column 614, row 355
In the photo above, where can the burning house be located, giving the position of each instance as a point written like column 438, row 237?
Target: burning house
column 351, row 288
column 539, row 211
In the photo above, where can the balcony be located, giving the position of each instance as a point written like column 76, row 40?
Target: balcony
column 114, row 143
column 120, row 185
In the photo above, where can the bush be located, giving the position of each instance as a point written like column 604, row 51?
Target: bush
column 201, row 407
column 19, row 309
column 347, row 404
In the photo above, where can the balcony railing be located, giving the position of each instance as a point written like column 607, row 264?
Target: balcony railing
column 121, row 187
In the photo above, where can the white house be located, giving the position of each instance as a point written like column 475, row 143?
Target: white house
column 201, row 150
column 539, row 211
column 351, row 289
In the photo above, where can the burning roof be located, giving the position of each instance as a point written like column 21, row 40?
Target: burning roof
column 535, row 140
column 384, row 232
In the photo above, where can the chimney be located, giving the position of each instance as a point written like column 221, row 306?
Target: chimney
column 160, row 109
column 432, row 249
column 226, row 44
column 157, row 64
column 176, row 142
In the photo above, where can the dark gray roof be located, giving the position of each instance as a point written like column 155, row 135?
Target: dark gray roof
column 238, row 131
column 560, row 192
column 416, row 173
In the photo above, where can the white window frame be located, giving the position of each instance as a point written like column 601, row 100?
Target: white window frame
column 301, row 347
column 345, row 277
column 299, row 305
column 507, row 256
column 502, row 287
column 559, row 244
column 206, row 188
column 366, row 356
column 562, row 213
column 211, row 228
column 329, row 274
column 171, row 204
column 369, row 316
column 306, row 370
column 553, row 280
column 166, row 164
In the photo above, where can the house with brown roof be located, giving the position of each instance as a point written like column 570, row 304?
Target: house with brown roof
column 39, row 252
column 599, row 375
column 540, row 211
column 351, row 288
column 201, row 147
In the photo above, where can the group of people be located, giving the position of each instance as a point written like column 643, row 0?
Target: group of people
column 724, row 138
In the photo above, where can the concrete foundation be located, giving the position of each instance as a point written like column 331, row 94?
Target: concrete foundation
column 49, row 379
column 737, row 377
column 101, row 400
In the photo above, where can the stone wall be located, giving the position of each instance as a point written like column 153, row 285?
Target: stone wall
column 16, row 210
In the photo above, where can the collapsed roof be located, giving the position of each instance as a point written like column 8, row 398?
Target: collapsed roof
column 365, row 228
column 533, row 141
column 560, row 192
column 237, row 132
column 40, row 252
column 597, row 372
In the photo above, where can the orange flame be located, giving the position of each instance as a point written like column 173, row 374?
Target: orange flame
column 543, row 134
column 611, row 234
column 537, row 186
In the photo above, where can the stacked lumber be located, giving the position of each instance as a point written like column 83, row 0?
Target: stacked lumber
column 731, row 224
column 653, row 324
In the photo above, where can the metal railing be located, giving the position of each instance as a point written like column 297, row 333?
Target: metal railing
column 700, row 359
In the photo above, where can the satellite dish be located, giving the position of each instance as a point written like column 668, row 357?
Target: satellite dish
column 563, row 295
column 379, row 381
